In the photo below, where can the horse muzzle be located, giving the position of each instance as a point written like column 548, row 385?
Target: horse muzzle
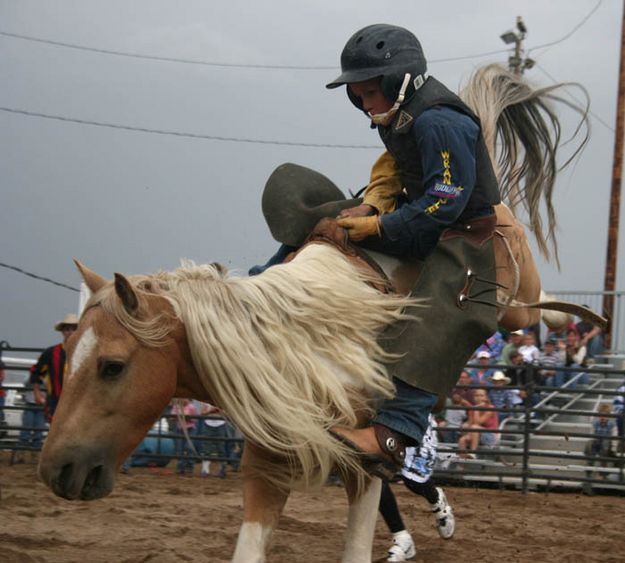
column 79, row 474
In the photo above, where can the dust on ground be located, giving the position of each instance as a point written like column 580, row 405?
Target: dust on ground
column 160, row 517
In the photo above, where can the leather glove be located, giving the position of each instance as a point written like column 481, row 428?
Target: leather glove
column 359, row 228
column 362, row 210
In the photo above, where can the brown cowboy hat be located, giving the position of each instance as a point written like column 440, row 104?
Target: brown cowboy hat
column 296, row 198
column 69, row 319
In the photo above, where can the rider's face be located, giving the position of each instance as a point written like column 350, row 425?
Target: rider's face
column 369, row 92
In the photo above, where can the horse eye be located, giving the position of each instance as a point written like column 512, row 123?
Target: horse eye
column 110, row 369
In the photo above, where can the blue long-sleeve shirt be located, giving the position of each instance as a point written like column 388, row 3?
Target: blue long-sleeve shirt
column 447, row 141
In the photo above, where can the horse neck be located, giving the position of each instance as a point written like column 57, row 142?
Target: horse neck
column 188, row 381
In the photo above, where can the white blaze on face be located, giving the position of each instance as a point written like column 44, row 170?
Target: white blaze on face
column 86, row 345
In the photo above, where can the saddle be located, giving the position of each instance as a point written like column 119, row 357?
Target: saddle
column 327, row 231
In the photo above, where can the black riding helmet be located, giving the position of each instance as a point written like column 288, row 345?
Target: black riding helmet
column 387, row 51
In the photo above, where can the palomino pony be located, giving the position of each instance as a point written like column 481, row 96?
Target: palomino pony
column 287, row 355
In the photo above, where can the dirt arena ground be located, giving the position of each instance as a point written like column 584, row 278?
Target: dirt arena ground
column 160, row 518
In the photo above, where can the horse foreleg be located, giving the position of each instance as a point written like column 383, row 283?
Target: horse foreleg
column 262, row 505
column 363, row 512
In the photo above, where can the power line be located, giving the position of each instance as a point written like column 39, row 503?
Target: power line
column 37, row 277
column 212, row 63
column 128, row 54
column 182, row 133
column 570, row 33
column 159, row 58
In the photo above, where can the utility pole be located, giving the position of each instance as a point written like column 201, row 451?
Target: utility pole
column 516, row 63
column 615, row 193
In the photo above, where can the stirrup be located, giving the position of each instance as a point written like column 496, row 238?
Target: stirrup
column 374, row 465
column 391, row 443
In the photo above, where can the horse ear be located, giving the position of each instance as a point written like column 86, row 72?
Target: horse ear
column 126, row 293
column 94, row 281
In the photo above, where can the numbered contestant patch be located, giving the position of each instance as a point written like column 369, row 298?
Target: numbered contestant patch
column 446, row 191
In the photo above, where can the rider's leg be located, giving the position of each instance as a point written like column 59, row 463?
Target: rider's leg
column 399, row 422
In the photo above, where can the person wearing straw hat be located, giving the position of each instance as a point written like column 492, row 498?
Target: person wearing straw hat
column 501, row 397
column 51, row 367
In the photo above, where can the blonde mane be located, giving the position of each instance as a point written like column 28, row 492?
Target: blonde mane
column 286, row 354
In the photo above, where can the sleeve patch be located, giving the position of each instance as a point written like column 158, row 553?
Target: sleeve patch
column 447, row 191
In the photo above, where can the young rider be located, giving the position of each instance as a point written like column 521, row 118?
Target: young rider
column 431, row 198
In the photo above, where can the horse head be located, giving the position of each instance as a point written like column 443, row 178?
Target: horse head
column 124, row 364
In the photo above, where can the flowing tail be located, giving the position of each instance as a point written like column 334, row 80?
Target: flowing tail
column 523, row 134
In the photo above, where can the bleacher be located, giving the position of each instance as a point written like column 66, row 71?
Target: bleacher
column 547, row 451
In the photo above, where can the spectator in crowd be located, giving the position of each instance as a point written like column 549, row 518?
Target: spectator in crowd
column 591, row 337
column 528, row 348
column 47, row 376
column 454, row 416
column 480, row 375
column 493, row 345
column 465, row 394
column 33, row 421
column 213, row 430
column 518, row 370
column 454, row 419
column 416, row 474
column 479, row 420
column 604, row 430
column 183, row 410
column 500, row 396
column 549, row 360
column 2, row 400
column 535, row 330
column 618, row 406
column 525, row 376
column 514, row 342
column 575, row 357
column 575, row 350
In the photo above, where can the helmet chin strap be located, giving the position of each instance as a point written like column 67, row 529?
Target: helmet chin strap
column 386, row 117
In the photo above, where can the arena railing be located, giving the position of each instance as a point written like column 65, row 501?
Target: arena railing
column 568, row 467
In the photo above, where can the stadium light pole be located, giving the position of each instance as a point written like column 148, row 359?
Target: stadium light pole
column 516, row 63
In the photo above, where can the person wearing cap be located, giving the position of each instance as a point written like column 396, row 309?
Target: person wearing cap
column 481, row 375
column 430, row 199
column 51, row 367
column 514, row 342
column 549, row 359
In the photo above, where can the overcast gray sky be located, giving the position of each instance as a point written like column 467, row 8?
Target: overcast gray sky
column 137, row 202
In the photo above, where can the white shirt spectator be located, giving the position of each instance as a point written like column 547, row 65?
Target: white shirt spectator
column 530, row 353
